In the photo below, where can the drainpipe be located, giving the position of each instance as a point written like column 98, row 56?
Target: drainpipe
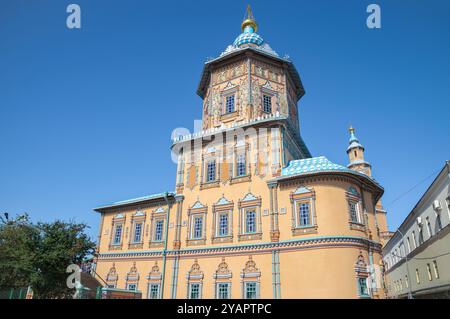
column 166, row 237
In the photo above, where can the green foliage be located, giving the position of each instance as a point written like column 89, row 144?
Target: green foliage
column 38, row 255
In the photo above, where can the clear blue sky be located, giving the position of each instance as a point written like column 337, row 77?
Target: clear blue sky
column 86, row 115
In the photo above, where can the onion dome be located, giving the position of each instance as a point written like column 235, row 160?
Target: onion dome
column 353, row 142
column 248, row 36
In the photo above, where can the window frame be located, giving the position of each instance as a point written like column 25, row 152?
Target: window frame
column 199, row 292
column 255, row 283
column 158, row 215
column 150, row 285
column 120, row 227
column 132, row 284
column 195, row 218
column 252, row 203
column 269, row 96
column 230, row 100
column 247, row 212
column 158, row 235
column 228, row 293
column 198, row 210
column 435, row 269
column 141, row 225
column 220, row 225
column 303, row 196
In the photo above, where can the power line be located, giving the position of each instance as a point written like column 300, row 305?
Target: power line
column 423, row 258
column 412, row 188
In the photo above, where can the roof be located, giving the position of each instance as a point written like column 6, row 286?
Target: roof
column 137, row 200
column 310, row 165
column 318, row 165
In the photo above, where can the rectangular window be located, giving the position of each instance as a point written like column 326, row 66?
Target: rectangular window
column 420, row 235
column 304, row 214
column 362, row 285
column 211, row 171
column 223, row 291
column 414, row 239
column 448, row 205
column 417, row 276
column 153, row 291
column 354, row 212
column 159, row 230
column 240, row 167
column 229, row 104
column 250, row 222
column 438, row 222
column 198, row 227
column 118, row 235
column 436, row 270
column 430, row 277
column 250, row 290
column 223, row 224
column 267, row 103
column 137, row 232
column 194, row 291
column 131, row 287
column 408, row 241
column 430, row 232
column 406, row 281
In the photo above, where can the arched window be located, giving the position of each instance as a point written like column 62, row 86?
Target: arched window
column 112, row 277
column 154, row 283
column 362, row 275
column 250, row 279
column 132, row 279
column 222, row 278
column 194, row 281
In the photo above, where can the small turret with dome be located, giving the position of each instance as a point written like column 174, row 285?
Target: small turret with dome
column 355, row 153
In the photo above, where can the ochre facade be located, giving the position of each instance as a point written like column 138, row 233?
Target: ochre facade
column 253, row 214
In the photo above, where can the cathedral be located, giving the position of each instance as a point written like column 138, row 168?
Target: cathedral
column 253, row 214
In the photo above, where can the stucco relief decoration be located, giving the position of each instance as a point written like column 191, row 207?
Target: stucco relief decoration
column 250, row 266
column 155, row 268
column 154, row 274
column 361, row 266
column 133, row 274
column 195, row 272
column 222, row 269
column 112, row 275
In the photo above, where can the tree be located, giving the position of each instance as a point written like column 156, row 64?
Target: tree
column 18, row 240
column 38, row 255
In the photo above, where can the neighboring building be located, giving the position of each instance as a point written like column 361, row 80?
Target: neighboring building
column 417, row 258
column 253, row 214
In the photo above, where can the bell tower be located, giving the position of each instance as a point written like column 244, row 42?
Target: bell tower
column 355, row 153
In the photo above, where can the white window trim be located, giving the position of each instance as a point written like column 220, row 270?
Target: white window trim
column 200, row 288
column 228, row 292
column 229, row 216
column 150, row 284
column 297, row 212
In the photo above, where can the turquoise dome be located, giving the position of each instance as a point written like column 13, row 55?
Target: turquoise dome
column 249, row 36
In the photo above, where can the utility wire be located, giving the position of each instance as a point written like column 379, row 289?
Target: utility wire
column 424, row 258
column 412, row 188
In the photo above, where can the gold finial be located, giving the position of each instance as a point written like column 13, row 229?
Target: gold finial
column 351, row 129
column 249, row 20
